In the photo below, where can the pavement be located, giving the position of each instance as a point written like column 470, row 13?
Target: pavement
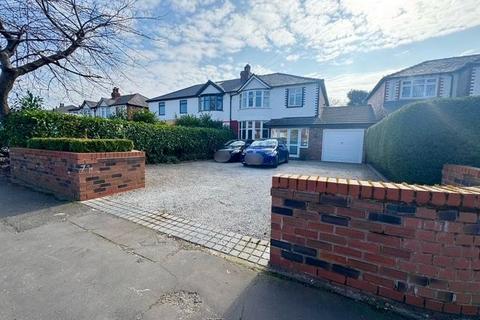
column 64, row 260
column 225, row 195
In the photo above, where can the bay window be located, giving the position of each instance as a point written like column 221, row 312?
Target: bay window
column 251, row 130
column 254, row 99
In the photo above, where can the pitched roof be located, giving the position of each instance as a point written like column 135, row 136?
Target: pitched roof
column 330, row 116
column 89, row 103
column 135, row 99
column 445, row 65
column 347, row 115
column 66, row 109
column 273, row 80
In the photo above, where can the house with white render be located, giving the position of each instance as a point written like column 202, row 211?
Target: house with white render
column 278, row 105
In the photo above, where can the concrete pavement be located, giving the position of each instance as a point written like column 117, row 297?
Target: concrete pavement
column 69, row 261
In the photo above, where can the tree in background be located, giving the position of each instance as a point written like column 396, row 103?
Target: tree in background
column 29, row 102
column 144, row 116
column 62, row 42
column 357, row 97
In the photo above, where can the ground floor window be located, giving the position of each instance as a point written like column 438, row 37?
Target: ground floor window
column 251, row 130
column 294, row 138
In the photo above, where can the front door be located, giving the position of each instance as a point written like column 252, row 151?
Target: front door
column 293, row 142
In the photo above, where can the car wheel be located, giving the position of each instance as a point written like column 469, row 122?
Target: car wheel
column 245, row 165
column 275, row 163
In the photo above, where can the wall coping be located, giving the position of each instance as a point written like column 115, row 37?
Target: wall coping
column 80, row 156
column 467, row 197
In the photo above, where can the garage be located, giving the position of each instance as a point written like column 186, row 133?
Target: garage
column 343, row 145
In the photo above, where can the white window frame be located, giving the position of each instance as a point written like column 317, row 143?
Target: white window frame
column 295, row 97
column 249, row 125
column 263, row 95
column 275, row 133
column 410, row 83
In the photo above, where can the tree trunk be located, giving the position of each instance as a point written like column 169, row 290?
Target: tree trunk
column 7, row 79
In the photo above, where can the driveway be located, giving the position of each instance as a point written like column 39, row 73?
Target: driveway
column 227, row 196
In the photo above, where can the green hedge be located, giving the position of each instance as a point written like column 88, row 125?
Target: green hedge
column 413, row 143
column 81, row 145
column 161, row 143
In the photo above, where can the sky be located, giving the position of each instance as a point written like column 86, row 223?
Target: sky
column 350, row 44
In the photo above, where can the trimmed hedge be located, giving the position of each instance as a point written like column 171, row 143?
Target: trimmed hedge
column 81, row 145
column 412, row 144
column 161, row 142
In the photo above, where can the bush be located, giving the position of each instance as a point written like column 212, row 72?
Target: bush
column 144, row 116
column 161, row 143
column 81, row 145
column 413, row 143
column 204, row 121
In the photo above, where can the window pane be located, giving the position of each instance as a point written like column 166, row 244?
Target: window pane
column 430, row 90
column 250, row 98
column 265, row 133
column 258, row 98
column 219, row 103
column 293, row 150
column 266, row 99
column 406, row 92
column 257, row 124
column 304, row 138
column 418, row 90
column 249, row 124
column 249, row 134
column 257, row 134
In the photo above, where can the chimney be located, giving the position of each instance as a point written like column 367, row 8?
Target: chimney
column 115, row 93
column 245, row 74
column 61, row 105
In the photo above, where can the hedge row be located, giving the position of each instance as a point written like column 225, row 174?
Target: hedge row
column 161, row 143
column 413, row 143
column 81, row 145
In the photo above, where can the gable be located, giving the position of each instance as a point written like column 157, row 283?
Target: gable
column 254, row 83
column 210, row 89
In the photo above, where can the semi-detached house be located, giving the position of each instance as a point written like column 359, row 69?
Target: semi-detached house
column 274, row 105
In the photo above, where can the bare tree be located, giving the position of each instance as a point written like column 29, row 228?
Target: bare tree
column 63, row 42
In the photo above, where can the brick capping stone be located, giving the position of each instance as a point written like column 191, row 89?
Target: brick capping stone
column 458, row 175
column 78, row 176
column 414, row 244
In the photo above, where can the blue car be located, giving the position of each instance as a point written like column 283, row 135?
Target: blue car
column 268, row 152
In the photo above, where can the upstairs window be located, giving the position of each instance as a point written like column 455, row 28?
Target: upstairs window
column 211, row 103
column 183, row 106
column 419, row 88
column 295, row 97
column 161, row 108
column 255, row 99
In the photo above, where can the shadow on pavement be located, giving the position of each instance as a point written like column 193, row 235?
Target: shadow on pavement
column 270, row 297
column 16, row 200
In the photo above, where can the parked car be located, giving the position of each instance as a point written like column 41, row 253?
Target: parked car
column 267, row 152
column 232, row 151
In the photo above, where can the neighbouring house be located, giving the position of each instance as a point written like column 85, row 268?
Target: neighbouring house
column 117, row 103
column 440, row 78
column 107, row 107
column 62, row 108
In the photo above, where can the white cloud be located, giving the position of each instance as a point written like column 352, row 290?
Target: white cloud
column 292, row 57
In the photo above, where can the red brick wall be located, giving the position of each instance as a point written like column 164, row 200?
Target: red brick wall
column 78, row 176
column 414, row 244
column 460, row 175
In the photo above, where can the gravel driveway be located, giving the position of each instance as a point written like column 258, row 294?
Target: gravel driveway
column 225, row 195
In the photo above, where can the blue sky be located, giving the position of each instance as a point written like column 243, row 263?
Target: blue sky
column 349, row 43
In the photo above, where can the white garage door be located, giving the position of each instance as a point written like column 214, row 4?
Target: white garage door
column 343, row 145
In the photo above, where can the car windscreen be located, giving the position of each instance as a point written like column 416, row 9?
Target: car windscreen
column 270, row 143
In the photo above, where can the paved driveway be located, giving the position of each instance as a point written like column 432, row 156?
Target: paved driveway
column 225, row 195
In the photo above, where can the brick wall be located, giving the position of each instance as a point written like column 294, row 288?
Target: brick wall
column 314, row 150
column 78, row 176
column 457, row 175
column 414, row 244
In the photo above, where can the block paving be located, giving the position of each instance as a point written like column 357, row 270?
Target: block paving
column 243, row 247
